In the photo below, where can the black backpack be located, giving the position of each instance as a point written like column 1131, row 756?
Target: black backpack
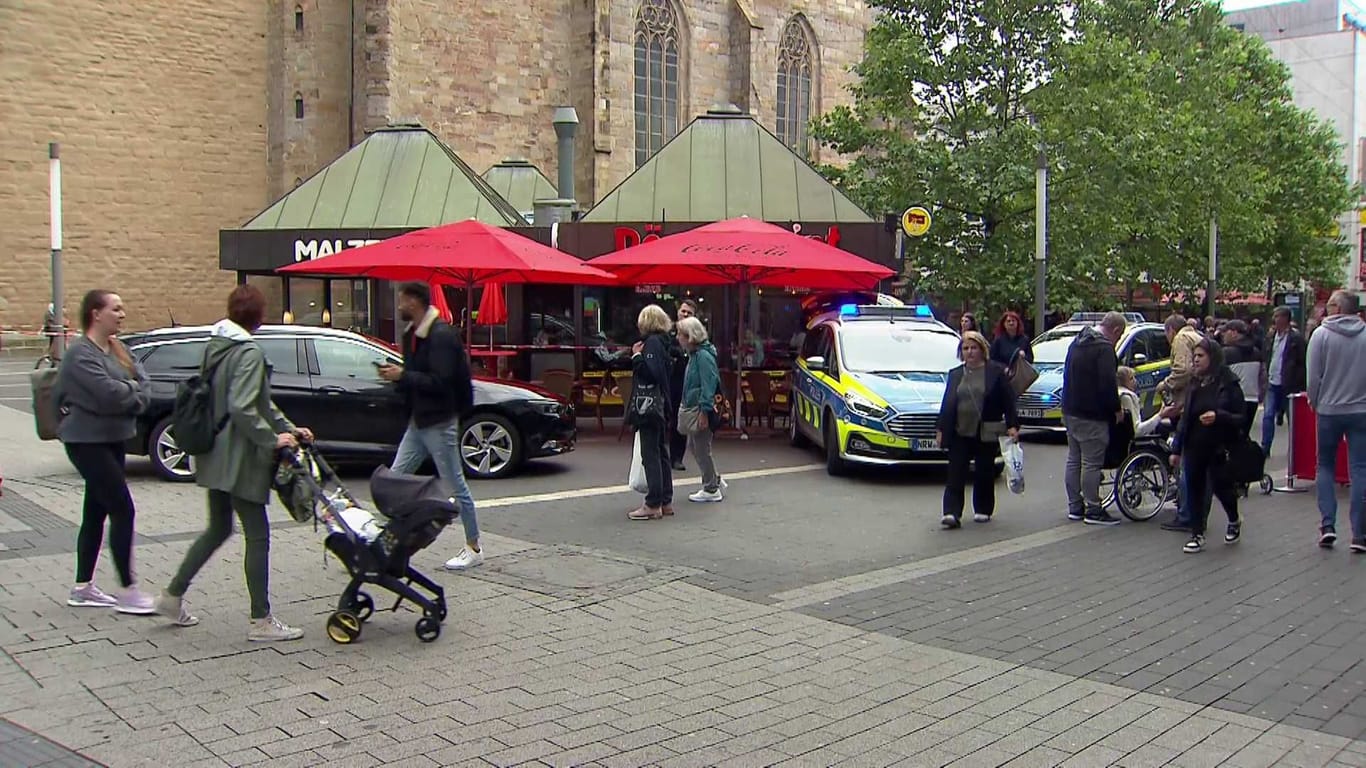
column 192, row 422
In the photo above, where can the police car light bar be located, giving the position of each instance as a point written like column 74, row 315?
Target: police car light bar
column 1096, row 317
column 873, row 310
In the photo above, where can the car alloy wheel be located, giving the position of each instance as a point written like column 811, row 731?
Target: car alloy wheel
column 489, row 446
column 169, row 461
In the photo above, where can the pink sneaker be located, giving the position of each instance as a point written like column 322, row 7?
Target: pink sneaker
column 135, row 602
column 90, row 596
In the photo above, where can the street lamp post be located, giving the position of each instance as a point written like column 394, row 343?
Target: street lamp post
column 55, row 204
column 1040, row 239
column 1212, row 286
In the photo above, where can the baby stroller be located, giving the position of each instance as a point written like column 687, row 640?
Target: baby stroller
column 374, row 550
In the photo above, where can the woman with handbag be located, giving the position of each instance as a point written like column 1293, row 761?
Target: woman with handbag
column 697, row 417
column 650, row 375
column 977, row 410
column 1010, row 343
column 1211, row 423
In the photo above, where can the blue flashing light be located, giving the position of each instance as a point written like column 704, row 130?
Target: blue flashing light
column 1047, row 398
column 847, row 310
column 923, row 310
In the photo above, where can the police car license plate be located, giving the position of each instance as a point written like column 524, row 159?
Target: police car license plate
column 922, row 444
column 1031, row 413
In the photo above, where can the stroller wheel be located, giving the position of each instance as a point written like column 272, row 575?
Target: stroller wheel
column 1268, row 485
column 343, row 627
column 428, row 629
column 363, row 606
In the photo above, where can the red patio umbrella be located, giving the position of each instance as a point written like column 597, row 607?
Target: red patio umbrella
column 443, row 307
column 467, row 253
column 493, row 308
column 743, row 252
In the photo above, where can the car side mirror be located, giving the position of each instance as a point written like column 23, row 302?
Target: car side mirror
column 1140, row 358
column 815, row 363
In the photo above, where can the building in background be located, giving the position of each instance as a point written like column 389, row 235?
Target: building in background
column 1324, row 44
column 179, row 119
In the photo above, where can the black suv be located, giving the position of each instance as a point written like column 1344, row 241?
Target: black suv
column 326, row 380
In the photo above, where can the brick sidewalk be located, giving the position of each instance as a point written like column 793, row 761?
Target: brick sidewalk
column 668, row 674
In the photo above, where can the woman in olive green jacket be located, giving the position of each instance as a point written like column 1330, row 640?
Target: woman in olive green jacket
column 238, row 471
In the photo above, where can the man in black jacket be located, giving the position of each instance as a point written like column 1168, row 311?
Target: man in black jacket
column 1090, row 403
column 1284, row 353
column 437, row 390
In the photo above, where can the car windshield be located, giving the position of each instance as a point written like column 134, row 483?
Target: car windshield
column 873, row 347
column 1052, row 346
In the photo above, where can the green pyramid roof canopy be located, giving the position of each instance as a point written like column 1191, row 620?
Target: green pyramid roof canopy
column 723, row 165
column 521, row 184
column 401, row 177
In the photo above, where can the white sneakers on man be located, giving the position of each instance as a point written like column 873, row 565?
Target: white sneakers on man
column 465, row 559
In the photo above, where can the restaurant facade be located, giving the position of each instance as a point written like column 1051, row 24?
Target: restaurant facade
column 722, row 165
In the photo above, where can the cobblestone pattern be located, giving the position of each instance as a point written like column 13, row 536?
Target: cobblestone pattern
column 1269, row 627
column 671, row 676
column 21, row 748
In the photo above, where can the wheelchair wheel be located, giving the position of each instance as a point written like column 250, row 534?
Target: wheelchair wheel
column 1141, row 485
column 1267, row 485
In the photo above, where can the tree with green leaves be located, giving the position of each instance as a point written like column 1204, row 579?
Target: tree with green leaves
column 1154, row 116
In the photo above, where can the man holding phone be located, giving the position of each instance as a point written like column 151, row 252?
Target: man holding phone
column 437, row 390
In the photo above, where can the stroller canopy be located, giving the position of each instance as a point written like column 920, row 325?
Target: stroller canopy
column 397, row 494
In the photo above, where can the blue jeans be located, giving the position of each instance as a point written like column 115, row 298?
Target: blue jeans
column 1332, row 428
column 1277, row 403
column 441, row 442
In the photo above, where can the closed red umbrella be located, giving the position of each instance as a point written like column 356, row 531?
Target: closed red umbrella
column 743, row 252
column 493, row 307
column 443, row 307
column 467, row 253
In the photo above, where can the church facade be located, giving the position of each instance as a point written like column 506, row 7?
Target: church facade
column 178, row 119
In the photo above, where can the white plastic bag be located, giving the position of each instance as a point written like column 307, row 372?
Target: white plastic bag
column 637, row 479
column 1014, row 461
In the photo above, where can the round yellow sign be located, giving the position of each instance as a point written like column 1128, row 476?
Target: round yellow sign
column 915, row 221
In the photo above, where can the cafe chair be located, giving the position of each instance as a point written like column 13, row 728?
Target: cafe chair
column 589, row 394
column 759, row 402
column 562, row 383
column 780, row 402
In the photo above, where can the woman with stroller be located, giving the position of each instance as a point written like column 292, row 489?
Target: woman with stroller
column 977, row 410
column 701, row 382
column 100, row 391
column 238, row 470
column 1211, row 421
column 1011, row 343
column 650, row 373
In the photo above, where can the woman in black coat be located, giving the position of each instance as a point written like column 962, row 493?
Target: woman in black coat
column 1210, row 423
column 977, row 409
column 1011, row 342
column 652, row 371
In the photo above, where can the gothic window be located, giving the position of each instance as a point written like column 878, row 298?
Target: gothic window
column 298, row 18
column 657, row 65
column 796, row 74
column 298, row 106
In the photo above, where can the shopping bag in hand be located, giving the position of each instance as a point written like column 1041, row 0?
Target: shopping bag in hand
column 637, row 479
column 1014, row 461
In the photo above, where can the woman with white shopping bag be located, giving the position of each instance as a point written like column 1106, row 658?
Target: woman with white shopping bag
column 978, row 410
column 647, row 412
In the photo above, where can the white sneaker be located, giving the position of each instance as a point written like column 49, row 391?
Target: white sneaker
column 173, row 608
column 724, row 484
column 705, row 496
column 981, row 518
column 271, row 629
column 464, row 559
column 135, row 602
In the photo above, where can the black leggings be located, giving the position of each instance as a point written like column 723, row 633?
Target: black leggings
column 1205, row 482
column 106, row 496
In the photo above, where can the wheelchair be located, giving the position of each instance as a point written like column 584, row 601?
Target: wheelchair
column 1139, row 480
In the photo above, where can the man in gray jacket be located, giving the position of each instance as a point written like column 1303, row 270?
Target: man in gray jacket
column 1337, row 391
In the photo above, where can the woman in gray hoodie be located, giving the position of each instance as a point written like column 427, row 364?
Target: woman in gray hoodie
column 100, row 391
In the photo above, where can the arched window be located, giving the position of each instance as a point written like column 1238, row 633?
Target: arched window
column 298, row 106
column 298, row 18
column 796, row 75
column 657, row 65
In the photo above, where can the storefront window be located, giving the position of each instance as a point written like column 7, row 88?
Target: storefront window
column 351, row 305
column 306, row 300
column 274, row 290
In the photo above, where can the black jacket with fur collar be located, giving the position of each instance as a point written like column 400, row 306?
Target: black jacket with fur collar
column 436, row 384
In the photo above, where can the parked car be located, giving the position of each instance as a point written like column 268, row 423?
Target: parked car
column 326, row 379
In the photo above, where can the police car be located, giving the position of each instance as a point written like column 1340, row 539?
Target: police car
column 1143, row 347
column 868, row 382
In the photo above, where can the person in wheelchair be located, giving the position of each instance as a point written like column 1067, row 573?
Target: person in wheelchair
column 1136, row 457
column 1160, row 424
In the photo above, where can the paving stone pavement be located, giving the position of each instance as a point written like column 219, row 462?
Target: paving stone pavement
column 670, row 675
column 1271, row 626
column 22, row 747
